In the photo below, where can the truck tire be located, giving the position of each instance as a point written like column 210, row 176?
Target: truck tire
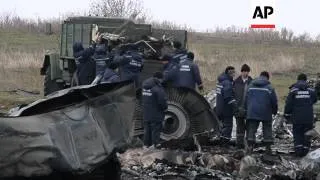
column 50, row 86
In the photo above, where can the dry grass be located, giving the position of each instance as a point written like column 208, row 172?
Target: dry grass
column 21, row 56
column 213, row 61
column 284, row 63
column 21, row 70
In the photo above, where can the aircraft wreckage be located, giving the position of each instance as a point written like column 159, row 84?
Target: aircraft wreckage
column 75, row 130
column 72, row 130
column 81, row 132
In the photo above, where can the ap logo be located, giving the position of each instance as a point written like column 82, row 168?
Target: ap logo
column 262, row 14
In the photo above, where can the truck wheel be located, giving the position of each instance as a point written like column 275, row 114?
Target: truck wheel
column 50, row 86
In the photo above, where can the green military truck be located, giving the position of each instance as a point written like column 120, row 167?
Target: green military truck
column 188, row 112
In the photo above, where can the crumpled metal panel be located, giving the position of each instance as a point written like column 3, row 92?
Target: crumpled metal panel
column 73, row 138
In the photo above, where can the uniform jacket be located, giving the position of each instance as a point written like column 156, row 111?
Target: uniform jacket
column 225, row 96
column 185, row 74
column 239, row 88
column 86, row 69
column 299, row 103
column 174, row 60
column 100, row 58
column 109, row 76
column 130, row 65
column 261, row 101
column 154, row 100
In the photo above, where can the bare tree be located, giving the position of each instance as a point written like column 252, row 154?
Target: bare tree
column 304, row 37
column 284, row 34
column 290, row 36
column 118, row 8
column 318, row 38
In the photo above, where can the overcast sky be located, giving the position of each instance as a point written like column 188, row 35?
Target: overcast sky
column 298, row 15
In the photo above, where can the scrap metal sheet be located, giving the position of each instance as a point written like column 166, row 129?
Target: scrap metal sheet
column 74, row 138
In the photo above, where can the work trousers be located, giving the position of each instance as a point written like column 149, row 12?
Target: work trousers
column 152, row 132
column 252, row 127
column 241, row 130
column 302, row 143
column 227, row 124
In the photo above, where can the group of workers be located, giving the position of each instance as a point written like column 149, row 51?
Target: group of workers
column 252, row 101
column 178, row 71
column 97, row 63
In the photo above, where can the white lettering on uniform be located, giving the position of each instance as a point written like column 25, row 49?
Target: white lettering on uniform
column 135, row 63
column 185, row 68
column 303, row 92
column 302, row 96
column 146, row 92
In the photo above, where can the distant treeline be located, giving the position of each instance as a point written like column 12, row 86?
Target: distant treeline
column 10, row 21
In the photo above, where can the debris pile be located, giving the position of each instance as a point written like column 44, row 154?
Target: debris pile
column 183, row 159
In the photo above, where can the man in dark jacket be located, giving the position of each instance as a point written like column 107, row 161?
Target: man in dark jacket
column 179, row 55
column 109, row 76
column 130, row 64
column 240, row 88
column 299, row 107
column 226, row 104
column 185, row 74
column 104, row 74
column 154, row 102
column 261, row 103
column 85, row 64
column 100, row 58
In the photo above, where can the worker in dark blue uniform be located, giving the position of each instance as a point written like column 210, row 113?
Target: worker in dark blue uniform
column 130, row 64
column 185, row 74
column 104, row 74
column 110, row 76
column 154, row 102
column 299, row 109
column 85, row 64
column 100, row 58
column 226, row 106
column 261, row 103
column 178, row 55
